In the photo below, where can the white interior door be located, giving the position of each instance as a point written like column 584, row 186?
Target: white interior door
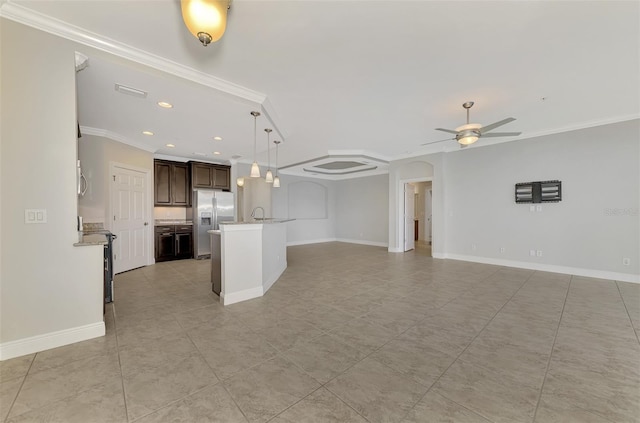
column 130, row 224
column 409, row 217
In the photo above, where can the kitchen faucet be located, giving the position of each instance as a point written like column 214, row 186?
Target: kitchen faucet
column 253, row 213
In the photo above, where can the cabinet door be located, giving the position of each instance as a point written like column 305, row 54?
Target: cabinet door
column 165, row 247
column 162, row 183
column 180, row 192
column 184, row 245
column 221, row 178
column 201, row 175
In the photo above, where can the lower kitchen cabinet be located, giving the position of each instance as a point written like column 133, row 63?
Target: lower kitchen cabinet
column 173, row 242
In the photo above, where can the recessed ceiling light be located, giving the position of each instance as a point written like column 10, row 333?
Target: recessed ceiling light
column 147, row 132
column 217, row 153
column 217, row 138
column 170, row 145
column 165, row 105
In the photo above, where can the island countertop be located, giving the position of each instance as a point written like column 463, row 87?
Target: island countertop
column 264, row 221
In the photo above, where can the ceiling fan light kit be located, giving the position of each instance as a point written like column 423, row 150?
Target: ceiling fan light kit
column 469, row 133
column 205, row 19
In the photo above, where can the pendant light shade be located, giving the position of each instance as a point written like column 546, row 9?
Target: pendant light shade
column 255, row 169
column 268, row 177
column 205, row 19
column 276, row 179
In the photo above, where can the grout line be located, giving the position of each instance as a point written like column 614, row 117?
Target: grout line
column 546, row 371
column 469, row 344
column 124, row 392
column 24, row 379
column 627, row 310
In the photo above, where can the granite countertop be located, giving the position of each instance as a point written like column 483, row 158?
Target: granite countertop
column 91, row 238
column 160, row 222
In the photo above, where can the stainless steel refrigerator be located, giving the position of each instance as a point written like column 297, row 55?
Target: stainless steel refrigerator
column 210, row 207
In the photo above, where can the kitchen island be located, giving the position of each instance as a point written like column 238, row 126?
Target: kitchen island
column 247, row 258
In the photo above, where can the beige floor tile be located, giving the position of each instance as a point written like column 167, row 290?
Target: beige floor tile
column 100, row 404
column 8, row 392
column 320, row 406
column 377, row 392
column 231, row 349
column 214, row 315
column 488, row 394
column 435, row 408
column 287, row 333
column 80, row 350
column 48, row 386
column 268, row 389
column 156, row 353
column 327, row 318
column 152, row 388
column 15, row 367
column 147, row 329
column 412, row 357
column 324, row 357
column 363, row 335
column 210, row 405
column 557, row 410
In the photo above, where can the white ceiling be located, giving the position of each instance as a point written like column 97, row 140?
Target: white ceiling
column 348, row 78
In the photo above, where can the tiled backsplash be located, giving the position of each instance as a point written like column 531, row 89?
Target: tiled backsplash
column 92, row 227
column 172, row 213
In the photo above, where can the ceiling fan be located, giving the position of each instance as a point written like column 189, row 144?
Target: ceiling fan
column 470, row 132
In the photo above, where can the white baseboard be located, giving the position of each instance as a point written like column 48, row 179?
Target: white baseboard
column 50, row 340
column 363, row 242
column 395, row 250
column 310, row 241
column 576, row 271
column 273, row 278
column 244, row 295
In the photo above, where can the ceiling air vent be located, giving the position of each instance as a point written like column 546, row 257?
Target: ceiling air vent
column 131, row 91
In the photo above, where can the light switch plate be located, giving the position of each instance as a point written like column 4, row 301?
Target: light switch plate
column 35, row 216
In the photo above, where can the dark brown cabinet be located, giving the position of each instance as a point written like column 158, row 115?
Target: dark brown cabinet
column 206, row 175
column 172, row 183
column 173, row 242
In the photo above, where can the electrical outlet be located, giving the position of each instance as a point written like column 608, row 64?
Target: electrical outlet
column 532, row 208
column 538, row 208
column 626, row 261
column 502, row 250
column 539, row 253
column 532, row 253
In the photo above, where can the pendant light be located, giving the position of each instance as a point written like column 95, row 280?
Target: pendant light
column 255, row 169
column 276, row 179
column 205, row 19
column 268, row 177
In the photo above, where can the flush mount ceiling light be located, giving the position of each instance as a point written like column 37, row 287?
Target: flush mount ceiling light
column 206, row 19
column 217, row 153
column 268, row 177
column 276, row 179
column 165, row 105
column 255, row 169
column 147, row 133
column 217, row 138
column 170, row 145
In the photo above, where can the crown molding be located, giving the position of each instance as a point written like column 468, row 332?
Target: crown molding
column 25, row 16
column 455, row 148
column 88, row 130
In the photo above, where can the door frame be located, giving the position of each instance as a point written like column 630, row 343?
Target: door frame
column 149, row 234
column 400, row 235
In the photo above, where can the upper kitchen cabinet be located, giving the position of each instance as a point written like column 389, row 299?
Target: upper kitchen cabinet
column 172, row 183
column 205, row 175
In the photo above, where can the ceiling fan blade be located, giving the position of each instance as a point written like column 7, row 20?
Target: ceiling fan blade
column 501, row 134
column 447, row 130
column 435, row 142
column 493, row 126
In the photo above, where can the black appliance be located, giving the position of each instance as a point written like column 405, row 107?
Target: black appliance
column 108, row 267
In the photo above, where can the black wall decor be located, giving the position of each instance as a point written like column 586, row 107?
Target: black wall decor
column 539, row 192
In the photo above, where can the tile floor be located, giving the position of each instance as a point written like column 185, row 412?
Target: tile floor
column 348, row 334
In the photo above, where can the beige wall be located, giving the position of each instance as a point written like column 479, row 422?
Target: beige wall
column 51, row 291
column 95, row 154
